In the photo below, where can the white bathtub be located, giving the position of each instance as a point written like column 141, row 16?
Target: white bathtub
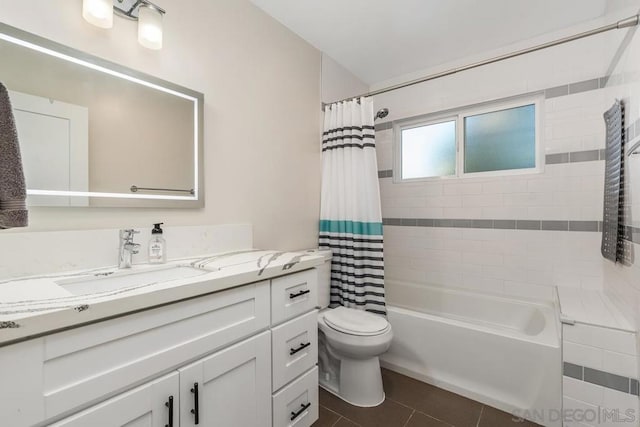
column 500, row 351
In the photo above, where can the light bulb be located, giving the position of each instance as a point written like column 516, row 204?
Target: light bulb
column 98, row 12
column 150, row 27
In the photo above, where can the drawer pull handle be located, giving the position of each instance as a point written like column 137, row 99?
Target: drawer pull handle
column 196, row 407
column 302, row 347
column 303, row 408
column 169, row 405
column 299, row 294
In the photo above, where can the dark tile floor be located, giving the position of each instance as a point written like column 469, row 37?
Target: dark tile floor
column 411, row 403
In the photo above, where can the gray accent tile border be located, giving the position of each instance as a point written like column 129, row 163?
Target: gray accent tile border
column 584, row 156
column 601, row 378
column 555, row 225
column 575, row 157
column 573, row 371
column 631, row 234
column 576, row 87
column 387, row 173
column 584, row 86
column 554, row 92
column 633, row 130
column 499, row 224
column 504, row 224
column 603, row 81
column 425, row 222
column 557, row 158
column 605, row 379
column 583, row 225
column 527, row 224
column 482, row 223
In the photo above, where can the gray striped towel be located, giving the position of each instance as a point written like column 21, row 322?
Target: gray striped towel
column 13, row 193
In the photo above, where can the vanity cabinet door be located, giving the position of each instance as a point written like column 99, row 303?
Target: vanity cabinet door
column 231, row 388
column 150, row 405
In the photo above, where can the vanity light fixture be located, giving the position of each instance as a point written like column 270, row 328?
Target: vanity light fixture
column 98, row 12
column 149, row 17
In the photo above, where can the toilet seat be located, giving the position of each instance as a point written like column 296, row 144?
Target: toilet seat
column 355, row 322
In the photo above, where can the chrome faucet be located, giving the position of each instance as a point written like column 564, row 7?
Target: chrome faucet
column 127, row 248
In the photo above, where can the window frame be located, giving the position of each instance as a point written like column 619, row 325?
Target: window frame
column 416, row 123
column 458, row 115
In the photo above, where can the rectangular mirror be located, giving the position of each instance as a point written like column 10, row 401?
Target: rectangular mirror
column 95, row 133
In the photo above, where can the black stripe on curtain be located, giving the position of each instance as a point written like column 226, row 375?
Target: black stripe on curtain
column 351, row 128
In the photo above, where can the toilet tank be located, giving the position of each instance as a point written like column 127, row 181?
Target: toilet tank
column 324, row 277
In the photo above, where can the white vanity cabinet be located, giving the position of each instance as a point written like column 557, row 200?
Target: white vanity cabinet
column 214, row 360
column 294, row 346
column 229, row 388
column 154, row 404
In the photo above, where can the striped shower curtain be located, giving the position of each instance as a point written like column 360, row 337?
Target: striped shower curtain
column 350, row 216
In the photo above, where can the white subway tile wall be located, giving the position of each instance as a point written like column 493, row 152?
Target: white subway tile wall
column 532, row 232
column 566, row 196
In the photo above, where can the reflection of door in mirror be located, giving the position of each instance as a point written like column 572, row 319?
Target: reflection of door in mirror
column 54, row 144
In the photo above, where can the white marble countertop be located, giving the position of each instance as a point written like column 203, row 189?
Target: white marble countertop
column 34, row 306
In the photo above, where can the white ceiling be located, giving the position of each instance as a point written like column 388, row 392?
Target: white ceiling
column 379, row 40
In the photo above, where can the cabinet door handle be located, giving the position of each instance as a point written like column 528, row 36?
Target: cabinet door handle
column 293, row 351
column 303, row 408
column 196, row 407
column 169, row 405
column 299, row 294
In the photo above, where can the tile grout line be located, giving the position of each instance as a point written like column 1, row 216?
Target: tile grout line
column 349, row 419
column 480, row 416
column 400, row 403
column 409, row 419
column 338, row 414
column 434, row 418
column 418, row 412
column 330, row 410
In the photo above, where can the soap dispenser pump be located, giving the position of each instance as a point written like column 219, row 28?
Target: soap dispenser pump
column 157, row 246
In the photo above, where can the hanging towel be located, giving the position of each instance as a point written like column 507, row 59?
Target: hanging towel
column 612, row 246
column 13, row 211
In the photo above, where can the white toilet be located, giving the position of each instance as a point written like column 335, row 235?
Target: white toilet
column 350, row 342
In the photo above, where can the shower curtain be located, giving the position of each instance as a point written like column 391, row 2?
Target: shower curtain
column 350, row 216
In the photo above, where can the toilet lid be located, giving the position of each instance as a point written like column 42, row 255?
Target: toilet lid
column 355, row 322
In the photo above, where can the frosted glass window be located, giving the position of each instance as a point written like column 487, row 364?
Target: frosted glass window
column 500, row 140
column 429, row 151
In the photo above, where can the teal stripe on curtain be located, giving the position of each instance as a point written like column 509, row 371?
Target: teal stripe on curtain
column 353, row 227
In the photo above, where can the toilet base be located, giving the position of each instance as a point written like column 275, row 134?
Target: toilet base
column 329, row 389
column 360, row 382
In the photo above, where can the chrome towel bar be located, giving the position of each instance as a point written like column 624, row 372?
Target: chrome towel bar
column 135, row 189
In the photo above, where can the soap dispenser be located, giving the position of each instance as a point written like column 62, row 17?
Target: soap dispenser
column 157, row 247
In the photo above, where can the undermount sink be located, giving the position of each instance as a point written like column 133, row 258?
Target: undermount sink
column 114, row 281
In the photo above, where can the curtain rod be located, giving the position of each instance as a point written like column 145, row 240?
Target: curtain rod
column 624, row 23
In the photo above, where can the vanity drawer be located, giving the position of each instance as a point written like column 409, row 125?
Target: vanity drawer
column 83, row 365
column 294, row 348
column 297, row 403
column 293, row 295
